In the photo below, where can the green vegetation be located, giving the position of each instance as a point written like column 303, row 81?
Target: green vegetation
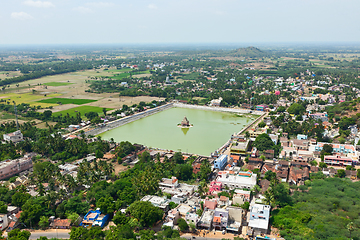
column 67, row 101
column 57, row 84
column 322, row 212
column 82, row 110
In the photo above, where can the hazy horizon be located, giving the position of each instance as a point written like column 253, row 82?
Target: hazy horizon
column 91, row 22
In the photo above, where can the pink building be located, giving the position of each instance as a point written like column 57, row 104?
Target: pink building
column 215, row 186
column 338, row 160
column 277, row 93
column 10, row 168
column 210, row 203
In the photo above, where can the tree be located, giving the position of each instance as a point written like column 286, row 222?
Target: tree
column 341, row 173
column 245, row 206
column 31, row 212
column 322, row 165
column 247, row 134
column 106, row 205
column 47, row 114
column 91, row 115
column 3, row 207
column 205, row 170
column 314, row 163
column 19, row 198
column 263, row 142
column 73, row 217
column 296, row 109
column 262, row 124
column 178, row 158
column 146, row 213
column 16, row 234
column 44, row 222
column 327, row 148
column 183, row 226
column 120, row 219
column 270, row 175
column 104, row 111
column 183, row 171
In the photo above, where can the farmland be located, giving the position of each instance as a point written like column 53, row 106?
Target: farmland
column 56, row 84
column 67, row 101
column 82, row 110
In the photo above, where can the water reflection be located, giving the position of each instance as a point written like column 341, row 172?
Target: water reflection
column 185, row 130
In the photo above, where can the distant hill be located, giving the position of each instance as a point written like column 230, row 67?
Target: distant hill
column 247, row 52
column 240, row 52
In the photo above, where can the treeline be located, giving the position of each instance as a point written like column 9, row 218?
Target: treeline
column 322, row 209
column 38, row 70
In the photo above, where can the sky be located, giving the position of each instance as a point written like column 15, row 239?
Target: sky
column 29, row 22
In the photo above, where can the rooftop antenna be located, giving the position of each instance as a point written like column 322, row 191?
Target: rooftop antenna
column 17, row 123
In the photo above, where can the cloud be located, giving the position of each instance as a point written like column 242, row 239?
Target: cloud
column 100, row 4
column 82, row 10
column 39, row 4
column 21, row 16
column 152, row 6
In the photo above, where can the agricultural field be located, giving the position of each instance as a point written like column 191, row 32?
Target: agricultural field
column 67, row 101
column 56, row 84
column 82, row 110
column 28, row 98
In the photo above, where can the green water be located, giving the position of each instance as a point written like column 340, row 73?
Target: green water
column 210, row 131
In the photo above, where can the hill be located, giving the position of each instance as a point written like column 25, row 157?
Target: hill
column 247, row 52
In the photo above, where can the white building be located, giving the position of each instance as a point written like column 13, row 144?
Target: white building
column 241, row 180
column 3, row 221
column 259, row 218
column 14, row 137
column 157, row 201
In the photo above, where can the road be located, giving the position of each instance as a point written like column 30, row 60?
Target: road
column 53, row 234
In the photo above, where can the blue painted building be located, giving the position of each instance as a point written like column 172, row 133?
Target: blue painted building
column 221, row 162
column 95, row 218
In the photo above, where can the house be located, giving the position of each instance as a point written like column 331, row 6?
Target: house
column 264, row 184
column 301, row 137
column 299, row 144
column 261, row 107
column 196, row 168
column 298, row 176
column 223, row 201
column 221, row 162
column 259, row 218
column 220, row 220
column 94, row 218
column 173, row 187
column 173, row 216
column 206, row 219
column 14, row 137
column 157, row 201
column 337, row 148
column 192, row 217
column 241, row 180
column 178, row 198
column 10, row 168
column 322, row 116
column 184, row 209
column 244, row 193
column 215, row 187
column 210, row 203
column 240, row 147
column 269, row 154
column 3, row 221
column 61, row 223
column 338, row 160
column 234, row 219
column 274, row 138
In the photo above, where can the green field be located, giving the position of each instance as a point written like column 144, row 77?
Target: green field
column 67, row 101
column 57, row 84
column 82, row 110
column 127, row 74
